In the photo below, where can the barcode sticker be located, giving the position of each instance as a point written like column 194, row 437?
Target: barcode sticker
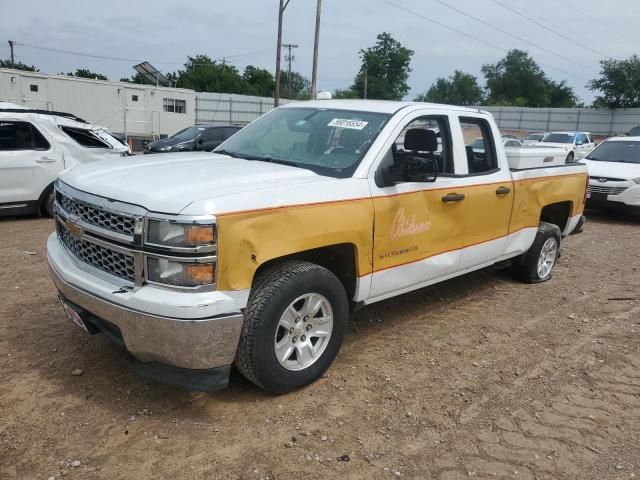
column 346, row 123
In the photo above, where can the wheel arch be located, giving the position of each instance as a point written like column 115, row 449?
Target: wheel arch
column 340, row 259
column 557, row 213
column 43, row 197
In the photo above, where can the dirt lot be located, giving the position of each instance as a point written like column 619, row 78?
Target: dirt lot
column 480, row 377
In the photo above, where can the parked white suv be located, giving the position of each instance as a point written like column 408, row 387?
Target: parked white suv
column 614, row 173
column 35, row 146
column 576, row 144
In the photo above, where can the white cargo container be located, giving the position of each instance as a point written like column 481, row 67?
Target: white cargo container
column 124, row 108
column 534, row 157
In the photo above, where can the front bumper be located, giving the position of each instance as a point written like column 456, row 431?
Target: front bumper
column 629, row 197
column 184, row 330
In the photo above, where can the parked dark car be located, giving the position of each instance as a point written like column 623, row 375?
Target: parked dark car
column 195, row 138
column 634, row 132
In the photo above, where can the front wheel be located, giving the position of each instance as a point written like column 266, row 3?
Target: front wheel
column 295, row 322
column 536, row 265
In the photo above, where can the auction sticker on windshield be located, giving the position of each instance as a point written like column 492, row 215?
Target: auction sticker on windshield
column 346, row 123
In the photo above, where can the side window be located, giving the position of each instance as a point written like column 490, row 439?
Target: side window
column 21, row 136
column 581, row 139
column 480, row 146
column 213, row 135
column 85, row 137
column 426, row 137
column 228, row 131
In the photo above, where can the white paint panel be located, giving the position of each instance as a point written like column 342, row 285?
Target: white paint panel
column 407, row 278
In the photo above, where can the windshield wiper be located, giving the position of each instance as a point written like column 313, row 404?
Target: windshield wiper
column 260, row 158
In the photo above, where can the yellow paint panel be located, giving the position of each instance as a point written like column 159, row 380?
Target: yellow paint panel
column 531, row 195
column 413, row 226
column 249, row 239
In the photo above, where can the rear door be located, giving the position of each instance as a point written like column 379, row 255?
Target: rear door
column 28, row 162
column 488, row 191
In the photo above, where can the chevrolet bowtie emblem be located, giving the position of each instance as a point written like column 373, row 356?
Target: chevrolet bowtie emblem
column 73, row 228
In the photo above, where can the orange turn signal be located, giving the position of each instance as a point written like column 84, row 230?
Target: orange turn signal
column 199, row 235
column 199, row 273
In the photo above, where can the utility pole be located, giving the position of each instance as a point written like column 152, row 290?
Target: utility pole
column 366, row 75
column 276, row 93
column 289, row 58
column 314, row 72
column 13, row 60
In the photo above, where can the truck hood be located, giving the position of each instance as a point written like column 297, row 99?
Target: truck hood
column 169, row 183
column 627, row 171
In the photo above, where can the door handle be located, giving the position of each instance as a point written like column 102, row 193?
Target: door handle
column 453, row 197
column 503, row 190
column 45, row 160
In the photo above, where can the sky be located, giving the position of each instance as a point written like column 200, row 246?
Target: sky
column 165, row 32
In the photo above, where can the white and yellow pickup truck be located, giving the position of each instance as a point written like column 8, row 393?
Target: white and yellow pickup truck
column 254, row 255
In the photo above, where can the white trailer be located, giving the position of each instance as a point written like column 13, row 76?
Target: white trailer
column 128, row 109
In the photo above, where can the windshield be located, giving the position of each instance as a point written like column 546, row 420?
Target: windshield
column 559, row 138
column 634, row 132
column 535, row 136
column 189, row 133
column 625, row 152
column 328, row 141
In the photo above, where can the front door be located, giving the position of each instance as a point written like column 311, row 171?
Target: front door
column 418, row 226
column 28, row 162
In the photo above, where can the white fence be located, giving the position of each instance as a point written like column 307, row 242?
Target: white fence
column 225, row 108
column 597, row 121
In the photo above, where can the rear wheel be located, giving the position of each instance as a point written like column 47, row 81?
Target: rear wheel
column 294, row 325
column 537, row 264
column 569, row 158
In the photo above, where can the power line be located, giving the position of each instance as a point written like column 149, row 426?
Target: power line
column 555, row 32
column 483, row 22
column 264, row 51
column 473, row 37
column 584, row 12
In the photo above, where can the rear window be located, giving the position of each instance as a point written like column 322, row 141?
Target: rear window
column 625, row 152
column 535, row 136
column 559, row 138
column 85, row 137
column 21, row 136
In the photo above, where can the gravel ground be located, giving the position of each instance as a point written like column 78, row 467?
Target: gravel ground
column 479, row 377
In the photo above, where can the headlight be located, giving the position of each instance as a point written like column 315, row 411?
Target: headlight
column 178, row 273
column 181, row 235
column 636, row 180
column 166, row 149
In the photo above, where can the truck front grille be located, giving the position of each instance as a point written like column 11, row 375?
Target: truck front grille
column 598, row 189
column 115, row 222
column 103, row 258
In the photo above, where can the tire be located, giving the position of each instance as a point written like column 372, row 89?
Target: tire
column 272, row 355
column 570, row 158
column 527, row 268
column 47, row 203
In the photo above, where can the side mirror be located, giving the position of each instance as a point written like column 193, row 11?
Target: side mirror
column 412, row 169
column 200, row 141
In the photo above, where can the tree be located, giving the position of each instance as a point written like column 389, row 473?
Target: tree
column 300, row 86
column 459, row 89
column 203, row 74
column 260, row 81
column 386, row 66
column 518, row 80
column 138, row 78
column 619, row 83
column 18, row 66
column 86, row 73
